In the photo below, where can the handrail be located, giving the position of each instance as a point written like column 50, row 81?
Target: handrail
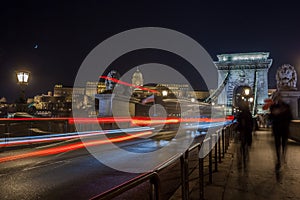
column 109, row 194
column 194, row 146
column 168, row 162
column 154, row 177
column 206, row 140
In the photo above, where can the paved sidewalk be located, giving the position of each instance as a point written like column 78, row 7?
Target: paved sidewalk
column 259, row 180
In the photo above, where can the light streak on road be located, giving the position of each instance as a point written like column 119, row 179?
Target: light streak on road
column 72, row 147
column 5, row 142
column 144, row 122
column 133, row 120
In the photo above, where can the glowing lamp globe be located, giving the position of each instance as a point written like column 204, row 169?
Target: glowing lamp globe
column 22, row 77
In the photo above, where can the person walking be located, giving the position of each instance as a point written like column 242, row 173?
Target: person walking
column 245, row 128
column 280, row 115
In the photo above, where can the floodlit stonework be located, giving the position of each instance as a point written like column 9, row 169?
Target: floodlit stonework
column 286, row 77
column 243, row 69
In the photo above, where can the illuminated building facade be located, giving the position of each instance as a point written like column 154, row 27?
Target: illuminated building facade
column 94, row 87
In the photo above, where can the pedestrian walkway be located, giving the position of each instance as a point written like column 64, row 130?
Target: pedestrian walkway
column 258, row 180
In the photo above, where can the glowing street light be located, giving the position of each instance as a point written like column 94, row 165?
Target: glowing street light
column 22, row 78
column 164, row 93
column 247, row 91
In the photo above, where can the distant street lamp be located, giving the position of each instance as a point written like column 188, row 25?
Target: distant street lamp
column 164, row 93
column 22, row 78
column 247, row 91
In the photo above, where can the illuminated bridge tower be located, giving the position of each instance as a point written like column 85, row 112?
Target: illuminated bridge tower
column 243, row 70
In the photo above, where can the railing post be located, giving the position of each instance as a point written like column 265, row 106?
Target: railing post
column 183, row 186
column 227, row 137
column 219, row 144
column 155, row 187
column 216, row 151
column 201, row 175
column 186, row 174
column 210, row 160
column 223, row 142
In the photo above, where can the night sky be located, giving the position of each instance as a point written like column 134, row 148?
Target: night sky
column 51, row 38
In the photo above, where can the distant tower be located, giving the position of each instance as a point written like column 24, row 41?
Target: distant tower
column 137, row 78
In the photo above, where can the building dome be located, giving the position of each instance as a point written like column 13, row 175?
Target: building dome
column 137, row 78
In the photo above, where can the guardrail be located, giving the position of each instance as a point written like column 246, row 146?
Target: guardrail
column 23, row 127
column 221, row 139
column 47, row 122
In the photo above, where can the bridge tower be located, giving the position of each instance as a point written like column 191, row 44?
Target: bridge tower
column 249, row 70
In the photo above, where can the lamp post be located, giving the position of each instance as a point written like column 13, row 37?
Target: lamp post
column 22, row 78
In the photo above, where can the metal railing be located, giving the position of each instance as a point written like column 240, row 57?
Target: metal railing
column 47, row 123
column 19, row 127
column 221, row 138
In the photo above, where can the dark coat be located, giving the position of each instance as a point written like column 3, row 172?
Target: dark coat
column 245, row 126
column 281, row 117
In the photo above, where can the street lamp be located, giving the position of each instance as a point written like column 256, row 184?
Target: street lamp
column 22, row 78
column 164, row 93
column 247, row 91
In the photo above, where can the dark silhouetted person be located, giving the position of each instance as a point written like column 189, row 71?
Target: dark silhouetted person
column 245, row 128
column 280, row 114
